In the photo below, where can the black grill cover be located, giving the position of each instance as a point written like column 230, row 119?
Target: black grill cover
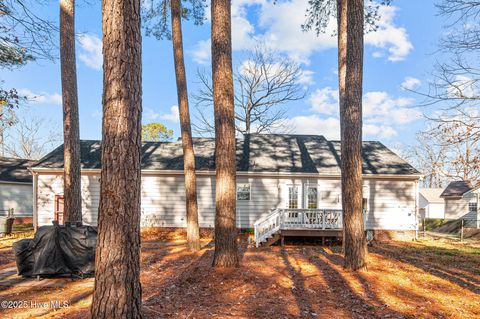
column 57, row 250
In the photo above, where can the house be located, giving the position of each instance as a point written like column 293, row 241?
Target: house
column 461, row 200
column 16, row 188
column 288, row 174
column 431, row 205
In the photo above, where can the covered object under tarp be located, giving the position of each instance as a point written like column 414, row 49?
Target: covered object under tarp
column 57, row 250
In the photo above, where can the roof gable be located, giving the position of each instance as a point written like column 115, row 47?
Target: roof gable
column 15, row 170
column 457, row 189
column 274, row 153
column 432, row 195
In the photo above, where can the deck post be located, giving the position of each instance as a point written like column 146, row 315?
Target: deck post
column 282, row 240
column 324, row 213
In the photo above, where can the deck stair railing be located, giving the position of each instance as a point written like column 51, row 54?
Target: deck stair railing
column 279, row 219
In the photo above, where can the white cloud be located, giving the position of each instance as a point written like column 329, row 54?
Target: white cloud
column 382, row 114
column 278, row 26
column 41, row 97
column 380, row 107
column 411, row 83
column 150, row 115
column 173, row 116
column 314, row 124
column 463, row 86
column 242, row 30
column 390, row 37
column 306, row 77
column 330, row 127
column 91, row 51
column 202, row 53
column 382, row 131
column 324, row 101
column 282, row 22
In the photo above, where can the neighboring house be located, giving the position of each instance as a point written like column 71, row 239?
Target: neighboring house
column 431, row 205
column 461, row 200
column 16, row 188
column 290, row 173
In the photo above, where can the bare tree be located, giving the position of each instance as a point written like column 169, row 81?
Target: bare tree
column 226, row 250
column 71, row 126
column 460, row 16
column 264, row 82
column 24, row 139
column 451, row 100
column 429, row 157
column 459, row 140
column 455, row 89
column 118, row 292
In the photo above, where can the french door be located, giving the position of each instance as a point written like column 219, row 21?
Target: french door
column 302, row 196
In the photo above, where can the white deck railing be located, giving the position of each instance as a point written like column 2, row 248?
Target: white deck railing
column 296, row 219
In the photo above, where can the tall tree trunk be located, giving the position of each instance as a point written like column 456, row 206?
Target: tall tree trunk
column 193, row 234
column 350, row 55
column 71, row 131
column 226, row 252
column 117, row 291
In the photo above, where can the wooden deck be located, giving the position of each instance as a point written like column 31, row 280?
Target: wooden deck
column 282, row 223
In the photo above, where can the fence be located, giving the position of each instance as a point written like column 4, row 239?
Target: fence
column 463, row 228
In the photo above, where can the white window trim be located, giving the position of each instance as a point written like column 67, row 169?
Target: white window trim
column 472, row 203
column 306, row 187
column 299, row 195
column 249, row 191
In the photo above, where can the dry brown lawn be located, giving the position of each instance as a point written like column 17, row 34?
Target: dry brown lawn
column 424, row 279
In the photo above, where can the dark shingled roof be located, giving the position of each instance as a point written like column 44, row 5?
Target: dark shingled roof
column 15, row 170
column 255, row 153
column 457, row 189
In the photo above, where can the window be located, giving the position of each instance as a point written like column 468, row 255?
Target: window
column 292, row 196
column 472, row 207
column 312, row 197
column 243, row 191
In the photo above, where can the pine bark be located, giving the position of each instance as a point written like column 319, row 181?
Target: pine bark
column 350, row 16
column 71, row 132
column 226, row 251
column 118, row 291
column 193, row 233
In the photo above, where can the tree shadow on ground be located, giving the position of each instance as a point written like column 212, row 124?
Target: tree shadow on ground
column 438, row 262
column 339, row 291
column 299, row 290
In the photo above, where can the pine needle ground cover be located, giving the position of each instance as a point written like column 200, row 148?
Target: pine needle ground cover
column 424, row 279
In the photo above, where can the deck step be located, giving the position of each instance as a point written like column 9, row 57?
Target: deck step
column 271, row 240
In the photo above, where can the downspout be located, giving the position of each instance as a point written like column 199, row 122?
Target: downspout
column 35, row 192
column 417, row 204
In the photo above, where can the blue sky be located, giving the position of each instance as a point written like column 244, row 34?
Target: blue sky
column 401, row 52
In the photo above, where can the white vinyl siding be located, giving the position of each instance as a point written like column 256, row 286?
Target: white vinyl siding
column 391, row 202
column 460, row 208
column 16, row 196
column 51, row 185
